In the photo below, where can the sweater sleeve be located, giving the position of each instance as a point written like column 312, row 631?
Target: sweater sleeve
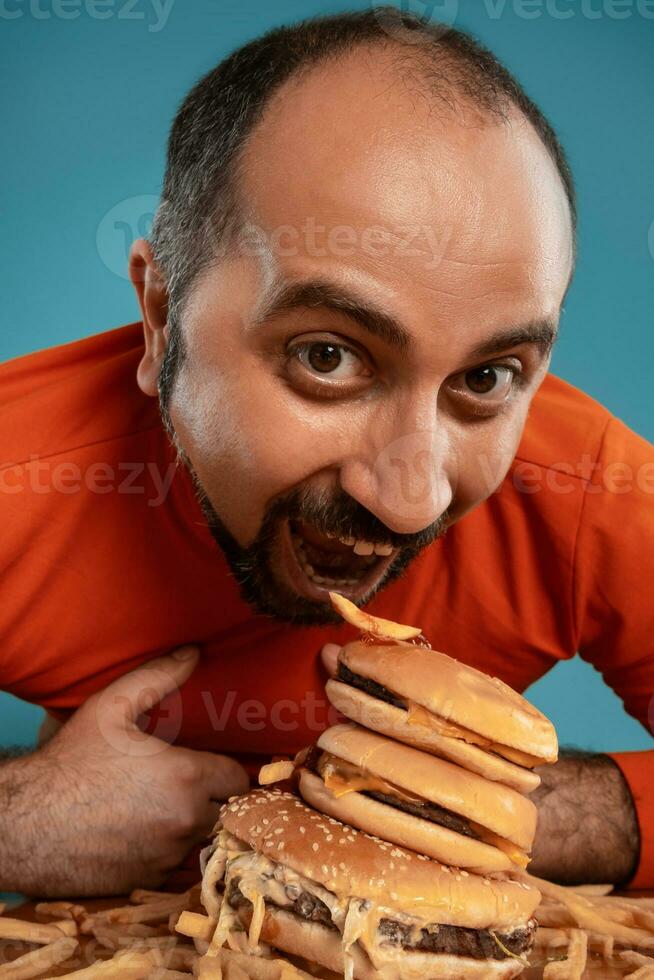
column 613, row 596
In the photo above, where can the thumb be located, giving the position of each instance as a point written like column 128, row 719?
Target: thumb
column 329, row 655
column 134, row 693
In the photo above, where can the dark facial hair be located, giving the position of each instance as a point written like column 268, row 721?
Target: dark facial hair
column 336, row 512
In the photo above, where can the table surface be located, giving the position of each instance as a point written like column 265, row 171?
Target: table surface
column 597, row 969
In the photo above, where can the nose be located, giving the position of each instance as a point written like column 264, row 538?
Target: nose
column 406, row 482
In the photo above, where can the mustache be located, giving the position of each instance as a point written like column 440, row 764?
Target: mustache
column 334, row 512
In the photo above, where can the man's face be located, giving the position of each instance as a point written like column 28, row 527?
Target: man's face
column 357, row 374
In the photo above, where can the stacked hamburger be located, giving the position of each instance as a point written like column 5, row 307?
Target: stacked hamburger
column 405, row 858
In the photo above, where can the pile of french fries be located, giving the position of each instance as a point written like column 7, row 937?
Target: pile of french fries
column 164, row 936
column 158, row 936
column 575, row 924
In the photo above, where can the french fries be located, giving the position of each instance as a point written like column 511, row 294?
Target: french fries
column 572, row 968
column 35, row 932
column 371, row 625
column 164, row 936
column 39, row 962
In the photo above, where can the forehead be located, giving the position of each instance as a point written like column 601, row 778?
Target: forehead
column 361, row 143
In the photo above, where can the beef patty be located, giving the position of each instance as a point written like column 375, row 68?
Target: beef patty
column 427, row 811
column 478, row 944
column 370, row 687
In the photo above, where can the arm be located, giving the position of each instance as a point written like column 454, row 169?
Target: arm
column 104, row 807
column 587, row 826
column 614, row 615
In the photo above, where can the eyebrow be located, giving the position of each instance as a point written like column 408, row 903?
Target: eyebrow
column 314, row 294
column 541, row 333
column 308, row 295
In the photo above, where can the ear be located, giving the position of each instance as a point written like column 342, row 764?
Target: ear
column 153, row 300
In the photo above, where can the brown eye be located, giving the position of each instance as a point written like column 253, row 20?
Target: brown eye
column 490, row 382
column 324, row 357
column 334, row 362
column 482, row 380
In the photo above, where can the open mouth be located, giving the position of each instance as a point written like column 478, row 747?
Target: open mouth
column 318, row 563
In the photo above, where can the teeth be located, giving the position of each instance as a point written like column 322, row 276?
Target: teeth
column 383, row 549
column 346, row 540
column 363, row 548
column 309, row 570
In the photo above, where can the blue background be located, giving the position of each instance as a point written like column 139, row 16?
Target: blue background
column 86, row 106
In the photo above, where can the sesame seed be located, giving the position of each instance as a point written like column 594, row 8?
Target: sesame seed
column 314, row 847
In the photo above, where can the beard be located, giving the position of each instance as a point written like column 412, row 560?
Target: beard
column 333, row 513
column 330, row 513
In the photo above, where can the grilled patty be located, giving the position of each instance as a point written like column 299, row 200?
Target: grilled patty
column 427, row 811
column 454, row 940
column 372, row 688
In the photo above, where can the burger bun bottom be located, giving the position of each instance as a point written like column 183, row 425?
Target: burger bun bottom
column 290, row 934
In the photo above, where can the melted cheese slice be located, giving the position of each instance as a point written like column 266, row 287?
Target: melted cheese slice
column 341, row 777
column 418, row 715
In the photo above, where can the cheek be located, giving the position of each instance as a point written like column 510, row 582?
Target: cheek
column 483, row 455
column 249, row 440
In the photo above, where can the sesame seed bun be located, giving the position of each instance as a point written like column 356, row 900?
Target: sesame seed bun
column 457, row 693
column 353, row 864
column 404, row 829
column 302, row 938
column 495, row 807
column 386, row 718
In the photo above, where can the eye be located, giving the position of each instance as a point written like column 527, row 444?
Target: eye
column 329, row 360
column 492, row 380
column 491, row 384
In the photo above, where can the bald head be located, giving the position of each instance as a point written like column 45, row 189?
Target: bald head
column 429, row 65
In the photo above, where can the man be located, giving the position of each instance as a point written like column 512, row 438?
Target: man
column 349, row 302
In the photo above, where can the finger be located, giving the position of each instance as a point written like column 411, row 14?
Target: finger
column 139, row 690
column 222, row 777
column 329, row 655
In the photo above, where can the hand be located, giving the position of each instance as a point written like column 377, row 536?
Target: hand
column 104, row 807
column 329, row 657
column 587, row 825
